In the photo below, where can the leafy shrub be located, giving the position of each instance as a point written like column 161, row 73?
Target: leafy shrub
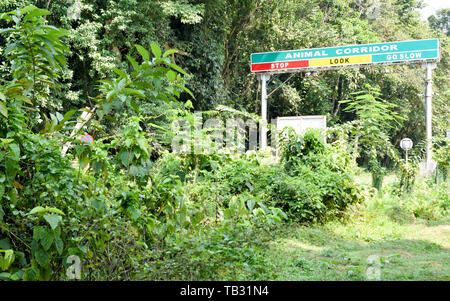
column 408, row 174
column 229, row 251
column 296, row 147
column 239, row 176
column 442, row 156
column 430, row 201
column 313, row 195
column 316, row 182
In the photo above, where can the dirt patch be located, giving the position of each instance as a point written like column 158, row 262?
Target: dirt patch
column 404, row 253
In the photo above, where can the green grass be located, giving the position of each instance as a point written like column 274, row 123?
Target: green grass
column 404, row 249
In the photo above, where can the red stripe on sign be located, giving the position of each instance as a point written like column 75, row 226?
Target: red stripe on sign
column 280, row 65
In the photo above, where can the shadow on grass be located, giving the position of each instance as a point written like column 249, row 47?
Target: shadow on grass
column 322, row 238
column 317, row 253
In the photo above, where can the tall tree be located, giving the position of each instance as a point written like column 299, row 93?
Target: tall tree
column 441, row 21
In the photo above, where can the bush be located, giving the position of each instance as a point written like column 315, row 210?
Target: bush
column 430, row 201
column 313, row 183
column 229, row 251
column 442, row 156
column 316, row 182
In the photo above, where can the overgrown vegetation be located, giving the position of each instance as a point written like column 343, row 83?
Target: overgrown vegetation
column 130, row 208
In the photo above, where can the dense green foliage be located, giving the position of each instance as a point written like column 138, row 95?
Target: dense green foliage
column 319, row 182
column 441, row 21
column 376, row 118
column 216, row 52
column 130, row 208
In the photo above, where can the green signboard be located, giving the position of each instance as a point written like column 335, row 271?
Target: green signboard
column 346, row 56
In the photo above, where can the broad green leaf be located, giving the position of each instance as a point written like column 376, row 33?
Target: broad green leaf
column 143, row 144
column 250, row 204
column 36, row 13
column 133, row 62
column 48, row 43
column 15, row 150
column 55, row 29
column 68, row 114
column 135, row 92
column 169, row 52
column 24, row 99
column 7, row 260
column 37, row 209
column 6, row 16
column 27, row 9
column 42, row 257
column 3, row 109
column 107, row 107
column 121, row 83
column 143, row 52
column 9, row 48
column 59, row 245
column 176, row 67
column 156, row 50
column 171, row 75
column 48, row 55
column 188, row 91
column 7, row 30
column 124, row 157
column 4, row 244
column 84, row 161
column 134, row 212
column 13, row 195
column 47, row 240
column 188, row 104
column 31, row 274
column 38, row 233
column 17, row 275
column 53, row 220
column 54, row 210
column 119, row 72
column 83, row 248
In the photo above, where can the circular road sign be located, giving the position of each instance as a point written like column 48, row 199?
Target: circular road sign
column 87, row 139
column 406, row 144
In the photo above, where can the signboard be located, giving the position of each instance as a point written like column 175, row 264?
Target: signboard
column 346, row 56
column 406, row 144
column 447, row 134
column 301, row 123
column 87, row 139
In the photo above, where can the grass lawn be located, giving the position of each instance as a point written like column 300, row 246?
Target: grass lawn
column 372, row 245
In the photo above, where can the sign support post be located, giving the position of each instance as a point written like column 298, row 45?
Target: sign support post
column 406, row 158
column 263, row 128
column 406, row 144
column 429, row 113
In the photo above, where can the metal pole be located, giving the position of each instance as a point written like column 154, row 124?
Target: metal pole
column 263, row 127
column 406, row 158
column 428, row 94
